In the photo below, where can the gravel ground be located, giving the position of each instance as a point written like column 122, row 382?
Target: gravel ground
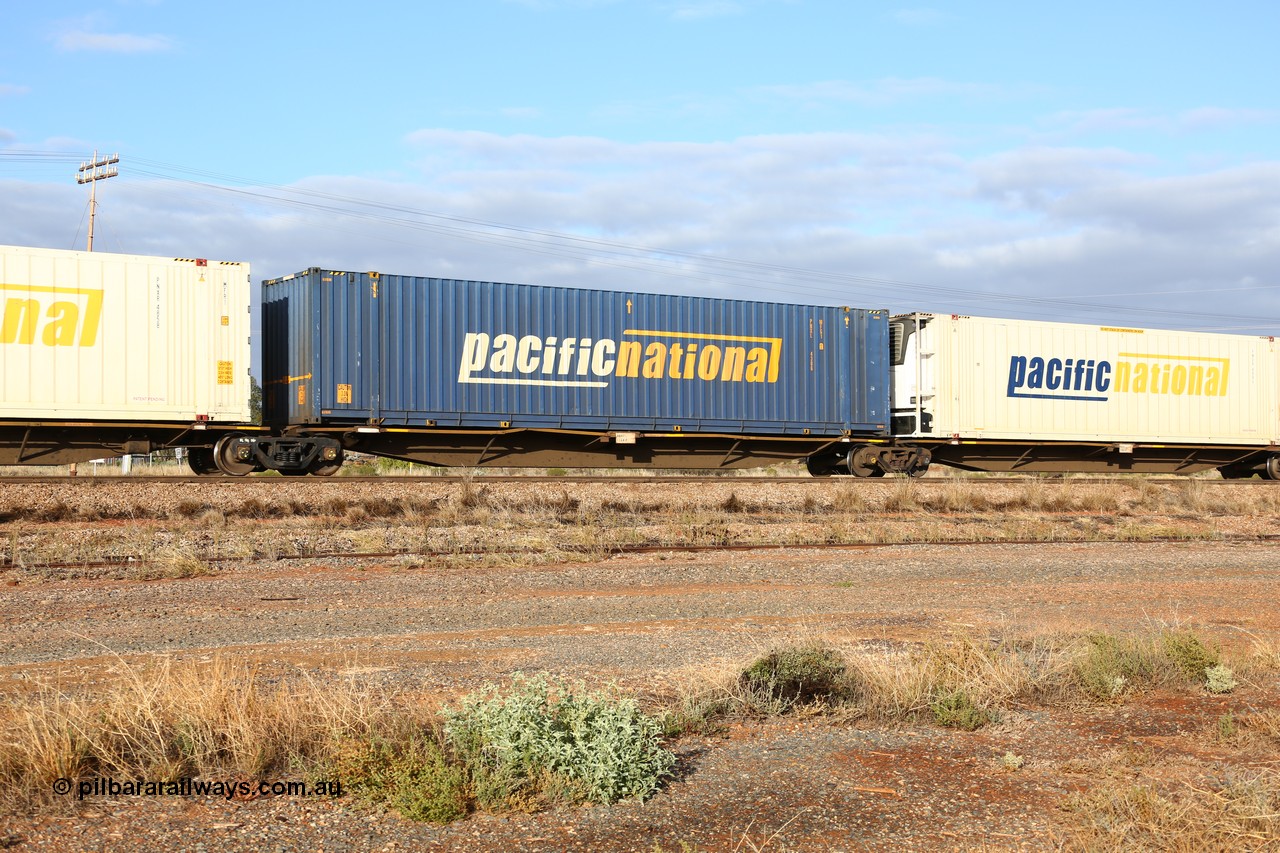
column 653, row 623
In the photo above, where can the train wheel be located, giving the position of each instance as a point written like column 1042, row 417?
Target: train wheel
column 1273, row 467
column 327, row 468
column 226, row 457
column 863, row 463
column 200, row 460
column 817, row 467
column 915, row 472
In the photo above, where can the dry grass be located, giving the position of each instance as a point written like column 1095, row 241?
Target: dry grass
column 1236, row 812
column 970, row 675
column 898, row 682
column 173, row 563
column 593, row 523
column 539, row 742
column 1266, row 723
column 164, row 721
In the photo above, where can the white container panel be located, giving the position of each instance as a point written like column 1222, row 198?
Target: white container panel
column 99, row 336
column 1014, row 379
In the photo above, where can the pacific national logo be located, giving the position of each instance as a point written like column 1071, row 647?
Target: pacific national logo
column 1092, row 380
column 50, row 316
column 574, row 362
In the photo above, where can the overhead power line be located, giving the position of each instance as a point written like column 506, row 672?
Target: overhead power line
column 618, row 254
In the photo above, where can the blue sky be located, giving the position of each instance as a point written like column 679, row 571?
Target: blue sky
column 1087, row 161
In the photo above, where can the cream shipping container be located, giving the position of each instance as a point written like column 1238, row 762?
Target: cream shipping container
column 99, row 338
column 994, row 394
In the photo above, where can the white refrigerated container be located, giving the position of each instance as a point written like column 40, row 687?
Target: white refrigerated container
column 94, row 336
column 981, row 378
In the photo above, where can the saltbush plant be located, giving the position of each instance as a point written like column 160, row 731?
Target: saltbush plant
column 1219, row 679
column 544, row 740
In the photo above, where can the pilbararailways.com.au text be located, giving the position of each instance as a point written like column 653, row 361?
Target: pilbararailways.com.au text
column 228, row 789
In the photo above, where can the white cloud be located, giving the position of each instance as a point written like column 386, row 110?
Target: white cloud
column 1213, row 117
column 550, row 5
column 839, row 211
column 1032, row 178
column 920, row 17
column 694, row 10
column 83, row 37
column 1186, row 121
column 888, row 90
column 680, row 10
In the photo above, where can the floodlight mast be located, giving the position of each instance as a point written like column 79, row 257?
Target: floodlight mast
column 92, row 172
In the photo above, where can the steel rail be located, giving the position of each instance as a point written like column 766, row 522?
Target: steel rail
column 128, row 561
column 336, row 482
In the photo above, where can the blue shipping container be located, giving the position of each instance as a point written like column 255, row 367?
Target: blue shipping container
column 352, row 348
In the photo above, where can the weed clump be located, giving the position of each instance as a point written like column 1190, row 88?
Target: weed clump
column 189, row 508
column 850, row 500
column 58, row 511
column 797, row 675
column 958, row 711
column 1111, row 667
column 173, row 563
column 410, row 775
column 1189, row 654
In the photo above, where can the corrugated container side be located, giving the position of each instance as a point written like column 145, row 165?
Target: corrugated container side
column 1066, row 382
column 101, row 336
column 422, row 351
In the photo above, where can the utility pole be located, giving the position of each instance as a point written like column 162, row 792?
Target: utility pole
column 92, row 172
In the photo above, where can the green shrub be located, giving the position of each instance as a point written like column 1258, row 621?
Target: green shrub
column 1227, row 728
column 544, row 740
column 957, row 711
column 796, row 675
column 412, row 776
column 1112, row 666
column 1191, row 656
column 385, row 465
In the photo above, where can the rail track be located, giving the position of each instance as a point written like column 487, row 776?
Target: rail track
column 127, row 560
column 337, row 482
